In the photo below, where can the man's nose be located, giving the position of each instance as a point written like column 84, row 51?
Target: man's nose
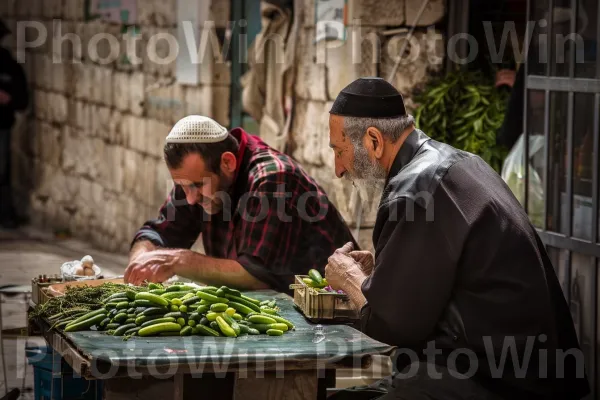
column 192, row 196
column 339, row 170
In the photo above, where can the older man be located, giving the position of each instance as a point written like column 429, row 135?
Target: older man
column 261, row 217
column 460, row 280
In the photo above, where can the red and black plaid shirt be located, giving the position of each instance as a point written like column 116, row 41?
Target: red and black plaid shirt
column 280, row 222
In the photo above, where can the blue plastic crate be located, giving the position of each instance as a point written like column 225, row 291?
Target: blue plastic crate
column 54, row 379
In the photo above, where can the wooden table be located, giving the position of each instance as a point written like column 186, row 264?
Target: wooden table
column 298, row 365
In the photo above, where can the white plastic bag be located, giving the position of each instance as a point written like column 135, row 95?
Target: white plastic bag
column 513, row 173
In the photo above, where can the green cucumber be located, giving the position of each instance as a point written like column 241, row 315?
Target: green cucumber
column 131, row 310
column 230, row 311
column 161, row 301
column 241, row 300
column 130, row 294
column 157, row 292
column 212, row 316
column 113, row 297
column 274, row 332
column 265, row 327
column 111, row 305
column 244, row 328
column 176, row 302
column 261, row 319
column 195, row 317
column 204, row 321
column 157, row 321
column 225, row 327
column 153, row 285
column 173, row 295
column 186, row 331
column 218, row 307
column 85, row 317
column 204, row 331
column 234, row 325
column 144, row 303
column 105, row 322
column 215, row 326
column 230, row 291
column 211, row 298
column 145, row 318
column 203, row 309
column 250, row 299
column 173, row 288
column 159, row 328
column 120, row 331
column 316, row 276
column 120, row 317
column 132, row 331
column 279, row 319
column 268, row 310
column 237, row 317
column 154, row 311
column 191, row 300
column 192, row 323
column 174, row 308
column 176, row 314
column 244, row 322
column 181, row 321
column 241, row 308
column 113, row 325
column 129, row 321
column 183, row 309
column 85, row 324
column 252, row 331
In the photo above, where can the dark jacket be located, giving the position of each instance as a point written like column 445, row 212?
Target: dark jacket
column 459, row 264
column 12, row 81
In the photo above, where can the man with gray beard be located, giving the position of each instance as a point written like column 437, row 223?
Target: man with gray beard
column 460, row 281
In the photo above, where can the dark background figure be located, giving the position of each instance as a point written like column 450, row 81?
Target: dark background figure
column 14, row 96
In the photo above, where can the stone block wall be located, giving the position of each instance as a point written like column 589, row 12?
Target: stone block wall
column 375, row 35
column 88, row 152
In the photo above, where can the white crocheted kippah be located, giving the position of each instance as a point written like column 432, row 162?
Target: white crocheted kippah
column 197, row 129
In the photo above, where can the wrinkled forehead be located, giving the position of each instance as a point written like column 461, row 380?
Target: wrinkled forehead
column 336, row 125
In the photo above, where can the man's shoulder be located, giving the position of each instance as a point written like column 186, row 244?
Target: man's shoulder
column 419, row 179
column 270, row 166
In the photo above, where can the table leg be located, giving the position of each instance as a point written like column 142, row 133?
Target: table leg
column 292, row 385
column 326, row 381
column 2, row 351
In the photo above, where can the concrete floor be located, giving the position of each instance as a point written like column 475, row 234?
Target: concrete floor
column 25, row 254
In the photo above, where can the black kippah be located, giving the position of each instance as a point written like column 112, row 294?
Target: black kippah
column 370, row 98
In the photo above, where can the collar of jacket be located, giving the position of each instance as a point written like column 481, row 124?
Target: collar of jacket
column 407, row 151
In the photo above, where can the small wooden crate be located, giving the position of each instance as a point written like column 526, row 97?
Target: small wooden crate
column 321, row 306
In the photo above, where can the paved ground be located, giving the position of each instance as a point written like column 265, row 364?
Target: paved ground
column 23, row 255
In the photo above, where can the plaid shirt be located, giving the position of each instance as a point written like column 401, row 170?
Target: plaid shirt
column 279, row 222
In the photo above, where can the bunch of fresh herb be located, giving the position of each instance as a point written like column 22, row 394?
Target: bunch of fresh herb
column 464, row 110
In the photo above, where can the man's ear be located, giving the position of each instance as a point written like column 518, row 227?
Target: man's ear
column 374, row 141
column 228, row 162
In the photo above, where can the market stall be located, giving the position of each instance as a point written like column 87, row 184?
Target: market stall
column 297, row 364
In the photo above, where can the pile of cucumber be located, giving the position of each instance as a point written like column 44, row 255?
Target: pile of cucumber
column 182, row 310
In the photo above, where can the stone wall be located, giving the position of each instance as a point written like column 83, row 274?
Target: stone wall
column 374, row 38
column 87, row 154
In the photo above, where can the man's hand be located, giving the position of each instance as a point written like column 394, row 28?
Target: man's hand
column 365, row 260
column 153, row 266
column 5, row 98
column 343, row 272
column 505, row 77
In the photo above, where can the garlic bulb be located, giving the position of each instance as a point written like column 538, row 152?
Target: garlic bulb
column 87, row 262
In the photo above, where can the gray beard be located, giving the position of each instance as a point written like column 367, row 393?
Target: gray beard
column 368, row 177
